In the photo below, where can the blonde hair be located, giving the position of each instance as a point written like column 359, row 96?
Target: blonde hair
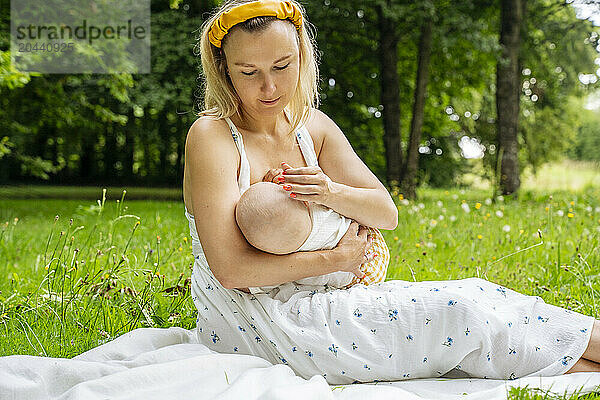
column 220, row 97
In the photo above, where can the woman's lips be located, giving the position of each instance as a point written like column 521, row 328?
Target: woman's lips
column 270, row 102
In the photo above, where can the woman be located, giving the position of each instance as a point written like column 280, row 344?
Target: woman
column 260, row 109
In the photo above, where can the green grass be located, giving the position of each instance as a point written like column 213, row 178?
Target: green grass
column 87, row 192
column 567, row 174
column 522, row 393
column 70, row 283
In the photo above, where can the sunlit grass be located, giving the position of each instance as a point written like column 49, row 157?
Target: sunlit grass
column 77, row 274
column 566, row 175
column 86, row 192
column 531, row 394
column 101, row 269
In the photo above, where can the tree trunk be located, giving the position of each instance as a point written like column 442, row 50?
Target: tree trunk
column 87, row 160
column 130, row 132
column 507, row 94
column 390, row 96
column 110, row 154
column 148, row 171
column 409, row 176
column 164, row 149
column 180, row 150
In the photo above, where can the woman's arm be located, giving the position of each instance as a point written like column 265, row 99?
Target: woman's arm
column 352, row 189
column 212, row 160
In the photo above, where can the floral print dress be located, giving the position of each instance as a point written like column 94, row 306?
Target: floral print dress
column 387, row 331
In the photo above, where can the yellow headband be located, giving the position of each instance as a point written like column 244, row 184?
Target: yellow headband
column 275, row 8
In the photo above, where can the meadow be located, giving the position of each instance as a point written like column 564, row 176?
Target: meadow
column 77, row 273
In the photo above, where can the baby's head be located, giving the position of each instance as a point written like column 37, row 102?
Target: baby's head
column 270, row 220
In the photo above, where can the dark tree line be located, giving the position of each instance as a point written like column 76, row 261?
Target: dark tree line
column 404, row 80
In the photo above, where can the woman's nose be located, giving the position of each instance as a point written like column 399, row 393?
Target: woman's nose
column 268, row 85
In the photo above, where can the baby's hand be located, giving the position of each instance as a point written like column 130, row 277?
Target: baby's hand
column 274, row 175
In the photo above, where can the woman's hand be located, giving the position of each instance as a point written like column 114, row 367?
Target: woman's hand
column 353, row 249
column 307, row 183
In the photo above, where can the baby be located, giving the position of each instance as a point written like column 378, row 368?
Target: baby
column 273, row 222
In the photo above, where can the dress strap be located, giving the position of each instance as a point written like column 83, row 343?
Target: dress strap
column 244, row 176
column 306, row 146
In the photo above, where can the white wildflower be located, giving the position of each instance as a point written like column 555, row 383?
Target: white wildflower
column 506, row 228
column 433, row 222
column 454, row 196
column 441, row 217
column 499, row 214
column 452, row 218
column 560, row 213
column 404, row 202
column 440, row 204
column 488, row 202
column 465, row 207
column 421, row 206
column 500, row 198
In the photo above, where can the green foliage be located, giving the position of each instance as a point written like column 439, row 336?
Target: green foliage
column 4, row 146
column 10, row 77
column 586, row 145
column 131, row 128
column 556, row 49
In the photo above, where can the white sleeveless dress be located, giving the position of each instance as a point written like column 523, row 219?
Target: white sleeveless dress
column 388, row 331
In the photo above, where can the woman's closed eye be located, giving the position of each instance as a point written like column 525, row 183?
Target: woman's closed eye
column 277, row 68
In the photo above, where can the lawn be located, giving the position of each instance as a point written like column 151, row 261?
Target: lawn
column 77, row 273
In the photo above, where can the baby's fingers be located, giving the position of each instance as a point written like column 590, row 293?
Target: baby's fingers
column 370, row 256
column 272, row 175
column 359, row 274
column 353, row 227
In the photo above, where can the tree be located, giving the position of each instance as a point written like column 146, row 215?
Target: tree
column 409, row 178
column 390, row 91
column 507, row 93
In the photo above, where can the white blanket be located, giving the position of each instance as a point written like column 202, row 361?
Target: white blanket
column 169, row 363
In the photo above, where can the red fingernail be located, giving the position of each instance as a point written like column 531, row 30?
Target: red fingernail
column 281, row 179
column 283, row 172
column 293, row 195
column 287, row 187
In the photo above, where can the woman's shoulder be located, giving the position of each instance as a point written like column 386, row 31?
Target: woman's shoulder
column 211, row 138
column 319, row 125
column 208, row 126
column 209, row 131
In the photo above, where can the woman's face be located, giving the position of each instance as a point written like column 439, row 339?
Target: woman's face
column 263, row 66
